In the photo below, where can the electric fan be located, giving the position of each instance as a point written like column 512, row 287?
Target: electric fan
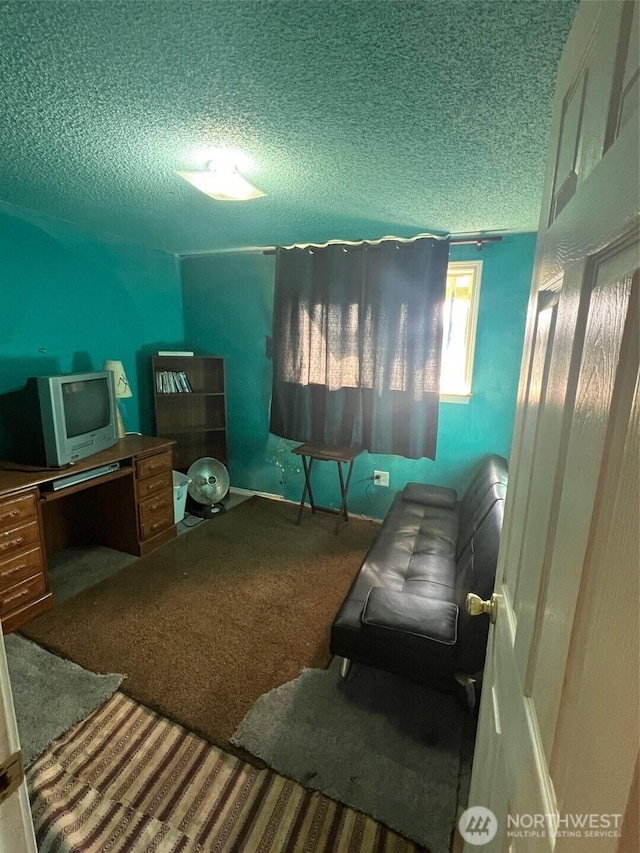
column 209, row 485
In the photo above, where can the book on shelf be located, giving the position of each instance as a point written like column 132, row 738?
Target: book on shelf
column 185, row 381
column 172, row 382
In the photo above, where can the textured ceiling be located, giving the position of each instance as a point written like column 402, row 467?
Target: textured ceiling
column 363, row 117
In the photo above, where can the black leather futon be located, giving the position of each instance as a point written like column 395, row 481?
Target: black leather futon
column 405, row 609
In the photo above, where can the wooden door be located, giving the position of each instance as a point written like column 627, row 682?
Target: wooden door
column 557, row 748
column 16, row 828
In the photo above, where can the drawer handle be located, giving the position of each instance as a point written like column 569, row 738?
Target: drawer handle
column 12, row 544
column 11, row 514
column 16, row 595
column 152, row 487
column 8, row 572
column 157, row 524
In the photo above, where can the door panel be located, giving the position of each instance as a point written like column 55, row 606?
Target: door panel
column 566, row 548
column 566, row 180
column 549, row 458
column 625, row 98
column 543, row 336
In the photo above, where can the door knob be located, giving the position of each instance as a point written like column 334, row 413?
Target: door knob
column 474, row 606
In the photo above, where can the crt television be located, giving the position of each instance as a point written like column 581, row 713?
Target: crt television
column 67, row 418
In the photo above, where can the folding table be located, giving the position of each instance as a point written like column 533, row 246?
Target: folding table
column 327, row 453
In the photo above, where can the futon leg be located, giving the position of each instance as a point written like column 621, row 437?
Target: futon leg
column 468, row 683
column 345, row 666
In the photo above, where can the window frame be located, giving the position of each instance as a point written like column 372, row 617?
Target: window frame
column 475, row 269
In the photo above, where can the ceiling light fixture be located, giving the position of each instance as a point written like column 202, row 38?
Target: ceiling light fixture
column 223, row 181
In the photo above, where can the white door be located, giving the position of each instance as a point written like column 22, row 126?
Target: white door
column 16, row 829
column 557, row 749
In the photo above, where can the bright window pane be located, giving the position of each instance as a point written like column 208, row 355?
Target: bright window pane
column 459, row 327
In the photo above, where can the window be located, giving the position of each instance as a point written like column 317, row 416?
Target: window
column 459, row 328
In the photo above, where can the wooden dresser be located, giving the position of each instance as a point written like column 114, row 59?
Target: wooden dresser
column 129, row 508
column 23, row 581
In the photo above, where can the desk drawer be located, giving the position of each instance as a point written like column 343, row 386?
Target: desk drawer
column 20, row 567
column 154, row 485
column 152, row 508
column 16, row 538
column 22, row 593
column 155, row 522
column 152, row 465
column 17, row 509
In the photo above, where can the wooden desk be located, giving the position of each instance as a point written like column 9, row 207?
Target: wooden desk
column 129, row 509
column 327, row 453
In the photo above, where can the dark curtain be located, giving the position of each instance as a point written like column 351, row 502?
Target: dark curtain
column 357, row 337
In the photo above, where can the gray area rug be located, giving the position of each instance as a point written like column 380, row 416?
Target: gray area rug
column 77, row 568
column 50, row 694
column 376, row 742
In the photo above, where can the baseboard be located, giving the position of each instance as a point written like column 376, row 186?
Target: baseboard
column 250, row 492
column 236, row 490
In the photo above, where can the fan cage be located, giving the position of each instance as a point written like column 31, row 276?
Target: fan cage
column 209, row 481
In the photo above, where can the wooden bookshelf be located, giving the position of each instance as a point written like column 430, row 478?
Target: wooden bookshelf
column 196, row 420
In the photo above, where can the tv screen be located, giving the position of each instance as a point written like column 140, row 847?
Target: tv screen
column 86, row 406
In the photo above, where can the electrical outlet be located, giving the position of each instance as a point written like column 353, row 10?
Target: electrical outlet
column 381, row 478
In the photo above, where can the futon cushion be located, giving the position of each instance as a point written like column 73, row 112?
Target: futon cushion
column 421, row 493
column 430, row 589
column 387, row 611
column 430, row 567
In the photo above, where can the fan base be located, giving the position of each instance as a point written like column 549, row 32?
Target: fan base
column 206, row 510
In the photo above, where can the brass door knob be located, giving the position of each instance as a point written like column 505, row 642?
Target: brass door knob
column 474, row 606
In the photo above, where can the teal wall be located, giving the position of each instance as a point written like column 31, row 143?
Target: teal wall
column 71, row 299
column 228, row 302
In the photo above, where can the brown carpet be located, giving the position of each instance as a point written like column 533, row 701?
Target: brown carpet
column 209, row 622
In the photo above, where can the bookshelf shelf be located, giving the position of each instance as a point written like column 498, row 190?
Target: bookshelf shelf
column 196, row 429
column 196, row 419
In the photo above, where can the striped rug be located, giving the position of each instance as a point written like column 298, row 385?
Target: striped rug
column 127, row 780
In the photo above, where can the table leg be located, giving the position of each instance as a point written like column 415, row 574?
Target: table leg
column 307, row 488
column 344, row 489
column 342, row 493
column 311, row 502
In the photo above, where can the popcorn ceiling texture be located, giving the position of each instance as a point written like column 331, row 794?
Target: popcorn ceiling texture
column 364, row 117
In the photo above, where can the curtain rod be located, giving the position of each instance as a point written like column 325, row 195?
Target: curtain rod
column 474, row 241
column 463, row 240
column 460, row 240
